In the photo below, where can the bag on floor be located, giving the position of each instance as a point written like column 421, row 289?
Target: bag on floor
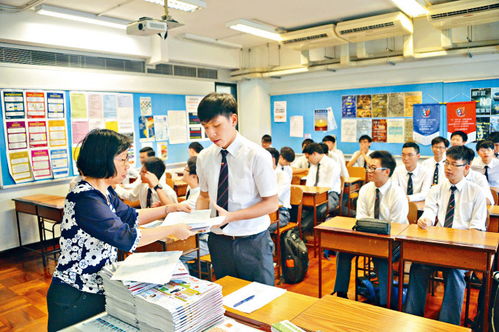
column 294, row 256
column 477, row 324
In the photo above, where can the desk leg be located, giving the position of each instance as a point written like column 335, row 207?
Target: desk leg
column 390, row 275
column 401, row 276
column 320, row 265
column 41, row 232
column 313, row 232
column 487, row 279
column 19, row 229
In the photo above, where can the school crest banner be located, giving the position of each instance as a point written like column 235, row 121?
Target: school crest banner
column 426, row 119
column 462, row 116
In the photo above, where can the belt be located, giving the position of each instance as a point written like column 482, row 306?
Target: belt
column 235, row 237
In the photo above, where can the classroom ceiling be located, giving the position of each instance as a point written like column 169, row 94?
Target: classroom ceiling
column 210, row 21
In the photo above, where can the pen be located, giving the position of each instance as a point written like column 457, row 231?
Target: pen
column 244, row 301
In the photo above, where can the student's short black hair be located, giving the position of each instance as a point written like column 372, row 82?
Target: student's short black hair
column 494, row 137
column 325, row 148
column 367, row 137
column 149, row 150
column 329, row 138
column 215, row 104
column 411, row 145
column 274, row 153
column 156, row 166
column 463, row 135
column 191, row 165
column 267, row 138
column 484, row 145
column 386, row 159
column 305, row 143
column 461, row 152
column 440, row 139
column 287, row 153
column 97, row 152
column 313, row 147
column 196, row 146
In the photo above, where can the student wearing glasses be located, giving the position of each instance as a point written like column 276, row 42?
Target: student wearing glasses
column 380, row 199
column 435, row 165
column 95, row 225
column 457, row 203
column 486, row 163
column 191, row 178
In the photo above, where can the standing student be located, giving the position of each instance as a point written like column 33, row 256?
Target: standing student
column 286, row 157
column 486, row 163
column 459, row 204
column 195, row 148
column 266, row 141
column 283, row 192
column 435, row 164
column 237, row 179
column 360, row 158
column 458, row 138
column 302, row 162
column 494, row 137
column 324, row 172
column 413, row 178
column 336, row 154
column 380, row 199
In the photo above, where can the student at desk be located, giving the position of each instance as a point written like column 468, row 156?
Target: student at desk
column 191, row 178
column 435, row 165
column 236, row 177
column 380, row 199
column 302, row 162
column 458, row 138
column 134, row 173
column 286, row 157
column 459, row 204
column 486, row 163
column 283, row 192
column 360, row 158
column 194, row 149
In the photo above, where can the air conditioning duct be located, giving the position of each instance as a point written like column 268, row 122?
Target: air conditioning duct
column 375, row 27
column 316, row 37
column 464, row 12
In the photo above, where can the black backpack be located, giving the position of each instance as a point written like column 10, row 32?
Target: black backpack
column 294, row 256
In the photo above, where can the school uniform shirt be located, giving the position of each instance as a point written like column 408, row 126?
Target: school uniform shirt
column 191, row 197
column 421, row 181
column 429, row 166
column 480, row 180
column 283, row 188
column 287, row 169
column 301, row 162
column 251, row 177
column 470, row 210
column 329, row 175
column 361, row 162
column 493, row 170
column 338, row 156
column 139, row 192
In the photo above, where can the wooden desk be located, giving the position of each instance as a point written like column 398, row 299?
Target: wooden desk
column 180, row 187
column 301, row 172
column 494, row 219
column 287, row 306
column 337, row 234
column 452, row 248
column 337, row 314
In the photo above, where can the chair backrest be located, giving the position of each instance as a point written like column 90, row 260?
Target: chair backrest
column 169, row 179
column 412, row 216
column 296, row 179
column 297, row 200
column 357, row 172
column 495, row 195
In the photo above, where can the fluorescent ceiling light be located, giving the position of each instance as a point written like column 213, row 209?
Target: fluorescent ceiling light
column 255, row 28
column 184, row 5
column 411, row 7
column 79, row 16
column 283, row 72
column 211, row 41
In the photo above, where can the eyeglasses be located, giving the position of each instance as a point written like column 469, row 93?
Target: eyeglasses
column 124, row 161
column 452, row 165
column 372, row 169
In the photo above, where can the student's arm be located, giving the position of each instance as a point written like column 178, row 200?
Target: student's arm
column 399, row 208
column 479, row 215
column 362, row 210
column 151, row 214
column 203, row 201
column 265, row 206
column 481, row 181
column 355, row 156
column 430, row 208
column 425, row 188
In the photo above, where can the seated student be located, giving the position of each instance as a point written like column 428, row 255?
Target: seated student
column 195, row 148
column 458, row 138
column 435, row 165
column 360, row 158
column 266, row 141
column 190, row 177
column 286, row 157
column 324, row 172
column 486, row 163
column 153, row 190
column 413, row 178
column 134, row 173
column 494, row 137
column 458, row 204
column 335, row 154
column 380, row 199
column 302, row 161
column 283, row 192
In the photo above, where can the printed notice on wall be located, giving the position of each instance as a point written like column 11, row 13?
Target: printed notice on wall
column 280, row 108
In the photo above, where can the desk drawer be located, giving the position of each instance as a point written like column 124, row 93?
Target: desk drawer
column 25, row 208
column 362, row 245
column 314, row 199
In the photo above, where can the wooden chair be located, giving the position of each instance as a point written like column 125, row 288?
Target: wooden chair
column 296, row 200
column 296, row 179
column 169, row 179
column 357, row 172
column 412, row 216
column 495, row 195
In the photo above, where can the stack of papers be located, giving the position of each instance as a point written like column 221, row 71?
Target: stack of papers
column 198, row 220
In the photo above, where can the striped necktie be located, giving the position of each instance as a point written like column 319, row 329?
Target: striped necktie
column 486, row 167
column 376, row 204
column 317, row 175
column 149, row 198
column 410, row 189
column 223, row 183
column 449, row 216
column 435, row 174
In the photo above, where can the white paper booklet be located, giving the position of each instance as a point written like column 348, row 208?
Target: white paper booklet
column 252, row 297
column 199, row 220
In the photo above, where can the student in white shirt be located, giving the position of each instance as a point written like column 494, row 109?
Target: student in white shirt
column 458, row 138
column 283, row 192
column 380, row 199
column 435, row 164
column 486, row 163
column 191, row 178
column 324, row 172
column 335, row 154
column 266, row 141
column 133, row 175
column 459, row 204
column 237, row 179
column 286, row 157
column 413, row 178
column 360, row 158
column 302, row 162
column 194, row 149
column 481, row 181
column 152, row 191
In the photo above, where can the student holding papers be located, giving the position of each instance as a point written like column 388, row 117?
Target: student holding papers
column 96, row 224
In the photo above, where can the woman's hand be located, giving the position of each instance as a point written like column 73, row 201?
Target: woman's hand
column 181, row 231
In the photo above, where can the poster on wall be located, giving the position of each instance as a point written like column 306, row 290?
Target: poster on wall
column 59, row 163
column 57, row 133
column 55, row 105
column 494, row 107
column 296, row 126
column 483, row 100
column 37, row 133
column 408, row 130
column 462, row 116
column 320, row 120
column 331, row 121
column 78, row 101
column 395, row 131
column 280, row 108
column 40, row 164
column 35, row 104
column 162, row 150
column 95, row 106
column 364, row 127
column 16, row 135
column 19, row 166
column 13, row 104
column 145, row 106
column 380, row 105
column 426, row 119
column 395, row 105
column 177, row 127
column 364, row 106
column 161, row 127
column 349, row 106
column 195, row 133
column 349, row 130
column 109, row 104
column 482, row 127
column 379, row 130
column 146, row 128
column 494, row 123
column 411, row 98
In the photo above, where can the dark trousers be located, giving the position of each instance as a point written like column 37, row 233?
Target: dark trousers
column 248, row 258
column 68, row 305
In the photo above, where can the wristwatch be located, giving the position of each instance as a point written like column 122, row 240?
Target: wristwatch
column 158, row 186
